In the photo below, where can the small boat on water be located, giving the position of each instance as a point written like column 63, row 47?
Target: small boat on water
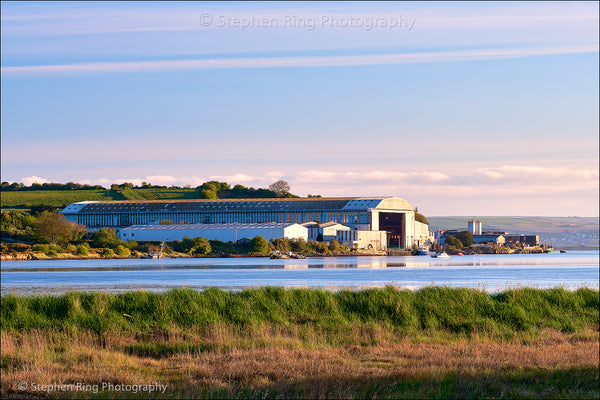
column 460, row 254
column 156, row 254
column 442, row 254
column 563, row 251
column 422, row 251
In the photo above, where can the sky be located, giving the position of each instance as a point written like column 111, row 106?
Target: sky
column 459, row 108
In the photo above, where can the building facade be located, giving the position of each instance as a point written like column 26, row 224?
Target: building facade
column 390, row 214
column 223, row 232
column 371, row 240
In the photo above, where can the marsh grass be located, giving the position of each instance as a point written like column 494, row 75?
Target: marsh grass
column 272, row 342
column 334, row 315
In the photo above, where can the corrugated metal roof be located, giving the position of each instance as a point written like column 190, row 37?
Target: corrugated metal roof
column 363, row 203
column 227, row 205
column 266, row 225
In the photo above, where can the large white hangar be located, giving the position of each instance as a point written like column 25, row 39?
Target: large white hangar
column 223, row 232
column 390, row 214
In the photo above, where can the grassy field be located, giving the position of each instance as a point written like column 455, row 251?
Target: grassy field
column 61, row 198
column 56, row 198
column 159, row 194
column 271, row 342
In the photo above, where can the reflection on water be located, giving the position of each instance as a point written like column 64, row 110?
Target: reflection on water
column 489, row 272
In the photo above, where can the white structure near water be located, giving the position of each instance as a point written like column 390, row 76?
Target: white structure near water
column 371, row 240
column 201, row 217
column 223, row 232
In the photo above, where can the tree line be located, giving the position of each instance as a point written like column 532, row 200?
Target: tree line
column 208, row 190
column 18, row 186
column 222, row 190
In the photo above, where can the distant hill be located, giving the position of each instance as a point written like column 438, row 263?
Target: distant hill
column 560, row 231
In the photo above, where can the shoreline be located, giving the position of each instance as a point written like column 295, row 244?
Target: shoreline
column 36, row 256
column 39, row 256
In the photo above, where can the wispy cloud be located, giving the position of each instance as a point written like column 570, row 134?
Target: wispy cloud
column 76, row 19
column 515, row 177
column 311, row 61
column 34, row 179
column 506, row 177
column 502, row 190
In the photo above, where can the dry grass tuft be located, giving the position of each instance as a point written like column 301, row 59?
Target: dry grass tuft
column 278, row 365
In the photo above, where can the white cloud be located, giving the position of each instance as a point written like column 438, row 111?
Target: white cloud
column 286, row 62
column 164, row 180
column 234, row 179
column 34, row 179
column 101, row 181
column 442, row 190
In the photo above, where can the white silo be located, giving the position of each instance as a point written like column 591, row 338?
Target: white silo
column 475, row 227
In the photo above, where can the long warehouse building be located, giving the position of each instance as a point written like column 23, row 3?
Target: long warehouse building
column 390, row 214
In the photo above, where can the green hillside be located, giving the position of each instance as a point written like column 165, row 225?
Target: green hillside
column 158, row 194
column 55, row 198
column 61, row 198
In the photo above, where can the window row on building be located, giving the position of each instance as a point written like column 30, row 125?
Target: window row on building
column 112, row 219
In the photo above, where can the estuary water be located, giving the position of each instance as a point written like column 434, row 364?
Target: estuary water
column 492, row 273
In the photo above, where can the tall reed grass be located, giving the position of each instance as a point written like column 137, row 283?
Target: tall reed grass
column 334, row 315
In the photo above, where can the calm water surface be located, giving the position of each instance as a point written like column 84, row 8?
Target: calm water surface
column 489, row 272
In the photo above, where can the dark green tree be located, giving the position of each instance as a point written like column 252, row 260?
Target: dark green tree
column 122, row 250
column 201, row 246
column 299, row 245
column 452, row 241
column 258, row 244
column 466, row 238
column 186, row 245
column 280, row 187
column 334, row 245
column 106, row 237
column 54, row 228
column 282, row 245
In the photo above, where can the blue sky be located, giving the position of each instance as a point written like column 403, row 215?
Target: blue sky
column 460, row 108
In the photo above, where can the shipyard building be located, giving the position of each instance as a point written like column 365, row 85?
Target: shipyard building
column 392, row 216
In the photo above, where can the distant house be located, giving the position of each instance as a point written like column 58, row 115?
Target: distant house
column 489, row 238
column 531, row 240
column 423, row 237
column 328, row 230
column 372, row 240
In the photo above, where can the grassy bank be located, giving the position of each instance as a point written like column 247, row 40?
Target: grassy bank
column 269, row 342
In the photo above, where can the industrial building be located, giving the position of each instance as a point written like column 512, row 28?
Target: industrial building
column 223, row 232
column 530, row 240
column 475, row 227
column 390, row 214
column 372, row 240
column 485, row 238
column 327, row 230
